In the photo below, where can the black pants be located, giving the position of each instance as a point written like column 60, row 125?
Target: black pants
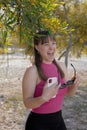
column 52, row 121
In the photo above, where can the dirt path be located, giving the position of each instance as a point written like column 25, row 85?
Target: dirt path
column 12, row 111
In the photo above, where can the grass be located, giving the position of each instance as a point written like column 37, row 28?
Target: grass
column 14, row 104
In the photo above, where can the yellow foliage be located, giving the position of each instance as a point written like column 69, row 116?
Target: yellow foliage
column 1, row 51
column 63, row 3
column 55, row 5
column 6, row 50
column 52, row 23
column 33, row 1
column 1, row 25
column 84, row 50
column 72, row 30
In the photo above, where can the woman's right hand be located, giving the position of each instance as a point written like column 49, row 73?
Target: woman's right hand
column 50, row 92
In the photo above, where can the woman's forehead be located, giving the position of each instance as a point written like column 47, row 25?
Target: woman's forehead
column 48, row 39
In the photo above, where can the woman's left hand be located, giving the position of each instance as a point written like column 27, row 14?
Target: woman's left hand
column 77, row 81
column 72, row 88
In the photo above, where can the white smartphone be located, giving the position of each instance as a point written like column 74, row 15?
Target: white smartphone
column 51, row 81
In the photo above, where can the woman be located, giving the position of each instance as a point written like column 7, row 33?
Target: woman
column 45, row 102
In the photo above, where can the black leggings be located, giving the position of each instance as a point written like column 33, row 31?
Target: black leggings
column 53, row 121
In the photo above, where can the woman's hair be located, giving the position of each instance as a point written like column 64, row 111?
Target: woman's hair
column 42, row 37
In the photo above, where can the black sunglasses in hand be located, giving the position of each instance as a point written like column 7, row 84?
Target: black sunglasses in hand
column 69, row 82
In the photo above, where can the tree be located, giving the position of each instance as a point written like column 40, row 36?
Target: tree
column 22, row 18
column 74, row 13
column 79, row 23
column 25, row 17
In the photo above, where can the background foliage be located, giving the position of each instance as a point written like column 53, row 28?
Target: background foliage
column 21, row 19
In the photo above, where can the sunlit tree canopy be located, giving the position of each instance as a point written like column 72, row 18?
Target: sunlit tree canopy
column 21, row 19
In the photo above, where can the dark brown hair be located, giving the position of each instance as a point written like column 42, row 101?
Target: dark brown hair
column 42, row 37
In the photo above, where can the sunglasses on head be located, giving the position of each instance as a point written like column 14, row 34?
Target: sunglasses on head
column 69, row 82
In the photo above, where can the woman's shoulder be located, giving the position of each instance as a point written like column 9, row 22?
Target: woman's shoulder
column 31, row 70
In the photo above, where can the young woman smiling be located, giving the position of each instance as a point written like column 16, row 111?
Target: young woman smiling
column 45, row 102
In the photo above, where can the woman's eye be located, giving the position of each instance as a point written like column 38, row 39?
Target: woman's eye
column 46, row 44
column 54, row 43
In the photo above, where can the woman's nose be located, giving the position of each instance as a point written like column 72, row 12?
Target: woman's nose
column 51, row 46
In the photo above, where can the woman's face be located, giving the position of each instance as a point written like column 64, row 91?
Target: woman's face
column 47, row 50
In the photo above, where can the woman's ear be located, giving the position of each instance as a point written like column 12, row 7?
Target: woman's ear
column 36, row 47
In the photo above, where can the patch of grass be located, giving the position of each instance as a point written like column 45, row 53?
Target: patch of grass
column 16, row 97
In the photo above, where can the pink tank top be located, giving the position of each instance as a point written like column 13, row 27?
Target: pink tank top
column 54, row 104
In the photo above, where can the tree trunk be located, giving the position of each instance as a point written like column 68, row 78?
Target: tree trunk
column 70, row 39
column 68, row 50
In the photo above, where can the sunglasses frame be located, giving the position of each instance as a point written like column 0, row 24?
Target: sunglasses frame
column 69, row 82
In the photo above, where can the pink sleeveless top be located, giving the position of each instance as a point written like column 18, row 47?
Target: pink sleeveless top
column 54, row 104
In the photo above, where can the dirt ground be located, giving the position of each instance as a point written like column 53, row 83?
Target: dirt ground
column 13, row 114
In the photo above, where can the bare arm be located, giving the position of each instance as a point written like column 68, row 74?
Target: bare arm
column 28, row 88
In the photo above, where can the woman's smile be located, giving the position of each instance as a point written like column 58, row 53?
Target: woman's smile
column 50, row 55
